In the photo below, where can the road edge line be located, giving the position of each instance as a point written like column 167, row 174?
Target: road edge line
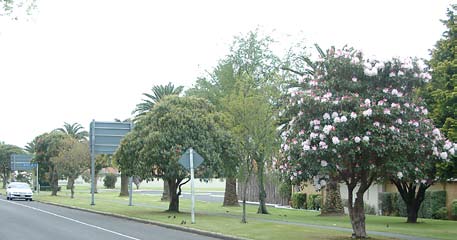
column 160, row 224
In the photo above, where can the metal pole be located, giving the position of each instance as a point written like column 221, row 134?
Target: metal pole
column 130, row 190
column 192, row 186
column 92, row 160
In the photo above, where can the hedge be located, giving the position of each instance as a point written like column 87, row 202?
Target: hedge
column 314, row 202
column 391, row 204
column 299, row 200
column 110, row 180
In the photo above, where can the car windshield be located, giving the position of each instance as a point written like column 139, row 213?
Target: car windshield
column 21, row 186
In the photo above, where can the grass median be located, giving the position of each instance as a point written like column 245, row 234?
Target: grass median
column 279, row 224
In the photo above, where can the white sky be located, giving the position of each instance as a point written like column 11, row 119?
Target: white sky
column 92, row 59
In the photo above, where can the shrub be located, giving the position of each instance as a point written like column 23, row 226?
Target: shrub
column 314, row 202
column 110, row 180
column 369, row 209
column 454, row 209
column 385, row 203
column 441, row 213
column 285, row 189
column 299, row 200
column 392, row 204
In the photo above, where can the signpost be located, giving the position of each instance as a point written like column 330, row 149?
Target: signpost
column 105, row 138
column 190, row 160
column 22, row 162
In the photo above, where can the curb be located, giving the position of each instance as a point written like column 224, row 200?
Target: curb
column 160, row 224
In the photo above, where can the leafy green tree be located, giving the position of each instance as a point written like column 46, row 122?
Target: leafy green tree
column 74, row 130
column 49, row 145
column 252, row 65
column 441, row 92
column 72, row 160
column 6, row 151
column 158, row 93
column 161, row 136
column 252, row 123
column 350, row 119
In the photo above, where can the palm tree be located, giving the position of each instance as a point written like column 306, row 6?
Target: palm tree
column 74, row 130
column 30, row 147
column 158, row 92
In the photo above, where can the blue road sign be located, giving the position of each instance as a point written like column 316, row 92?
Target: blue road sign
column 22, row 162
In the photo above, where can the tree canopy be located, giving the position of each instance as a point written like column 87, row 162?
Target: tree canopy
column 163, row 134
column 350, row 117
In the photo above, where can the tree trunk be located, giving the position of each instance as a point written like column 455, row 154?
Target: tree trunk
column 166, row 191
column 5, row 180
column 72, row 187
column 124, row 185
column 70, row 182
column 332, row 204
column 262, row 194
column 412, row 199
column 230, row 197
column 54, row 182
column 174, row 198
column 357, row 213
column 245, row 188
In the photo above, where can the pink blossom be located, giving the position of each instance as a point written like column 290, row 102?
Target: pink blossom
column 386, row 111
column 334, row 114
column 367, row 102
column 366, row 139
column 344, row 119
column 357, row 139
column 376, row 124
column 443, row 155
column 324, row 163
column 335, row 140
column 326, row 116
column 367, row 112
column 392, row 74
column 302, row 132
column 354, row 79
column 353, row 115
column 400, row 175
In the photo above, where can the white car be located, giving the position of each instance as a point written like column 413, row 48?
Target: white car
column 19, row 190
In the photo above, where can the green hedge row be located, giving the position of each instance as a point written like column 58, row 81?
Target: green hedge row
column 391, row 204
column 303, row 201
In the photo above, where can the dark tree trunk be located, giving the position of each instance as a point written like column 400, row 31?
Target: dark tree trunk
column 5, row 180
column 72, row 186
column 54, row 182
column 70, row 182
column 124, row 185
column 230, row 197
column 262, row 194
column 166, row 194
column 332, row 204
column 245, row 188
column 412, row 198
column 174, row 197
column 356, row 208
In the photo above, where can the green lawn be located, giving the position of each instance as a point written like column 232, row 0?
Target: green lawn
column 226, row 220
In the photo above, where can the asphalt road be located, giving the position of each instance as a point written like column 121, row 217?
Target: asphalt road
column 32, row 220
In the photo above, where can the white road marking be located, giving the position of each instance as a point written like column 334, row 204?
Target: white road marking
column 73, row 220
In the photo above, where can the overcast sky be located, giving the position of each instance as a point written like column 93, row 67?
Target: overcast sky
column 79, row 60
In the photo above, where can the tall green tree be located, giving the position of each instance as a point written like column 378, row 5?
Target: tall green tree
column 49, row 145
column 74, row 130
column 72, row 160
column 162, row 135
column 252, row 65
column 441, row 92
column 158, row 92
column 6, row 150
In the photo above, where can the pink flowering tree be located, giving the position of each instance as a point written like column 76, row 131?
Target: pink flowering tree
column 348, row 123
